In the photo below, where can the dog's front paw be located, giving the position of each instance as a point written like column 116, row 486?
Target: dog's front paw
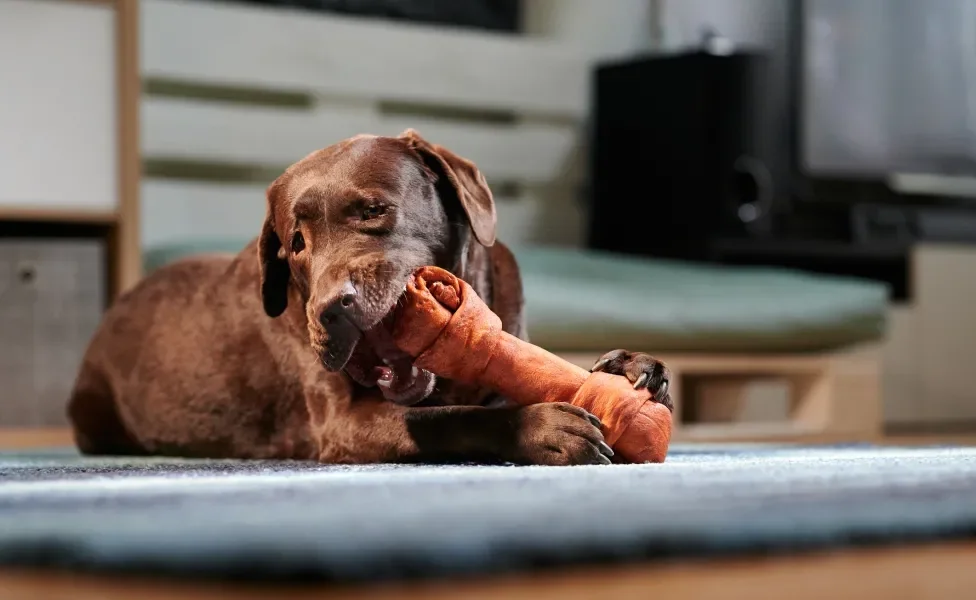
column 559, row 434
column 642, row 370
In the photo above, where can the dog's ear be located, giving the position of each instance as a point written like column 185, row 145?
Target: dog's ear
column 272, row 260
column 465, row 179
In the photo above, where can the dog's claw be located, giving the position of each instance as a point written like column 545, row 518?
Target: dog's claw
column 594, row 419
column 606, row 449
column 643, row 370
column 641, row 381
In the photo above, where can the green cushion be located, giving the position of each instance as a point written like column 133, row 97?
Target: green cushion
column 582, row 300
column 159, row 255
column 586, row 300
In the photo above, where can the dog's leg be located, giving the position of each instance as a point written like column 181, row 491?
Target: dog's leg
column 642, row 370
column 543, row 434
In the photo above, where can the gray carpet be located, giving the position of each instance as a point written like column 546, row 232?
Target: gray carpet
column 273, row 520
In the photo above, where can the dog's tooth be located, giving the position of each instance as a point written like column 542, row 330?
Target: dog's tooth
column 414, row 371
column 385, row 379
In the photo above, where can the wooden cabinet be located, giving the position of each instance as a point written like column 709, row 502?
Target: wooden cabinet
column 69, row 182
column 69, row 93
column 58, row 106
column 929, row 378
column 51, row 300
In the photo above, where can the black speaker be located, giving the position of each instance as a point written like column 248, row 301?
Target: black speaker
column 676, row 159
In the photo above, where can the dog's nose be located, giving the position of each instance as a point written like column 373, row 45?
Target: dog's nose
column 339, row 306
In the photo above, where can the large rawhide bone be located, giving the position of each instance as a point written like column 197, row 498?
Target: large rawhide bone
column 452, row 333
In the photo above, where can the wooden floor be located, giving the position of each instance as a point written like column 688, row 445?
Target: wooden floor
column 35, row 438
column 942, row 572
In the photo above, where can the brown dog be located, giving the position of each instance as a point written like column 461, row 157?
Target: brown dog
column 281, row 351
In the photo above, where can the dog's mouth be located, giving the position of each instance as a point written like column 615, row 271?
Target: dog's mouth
column 372, row 359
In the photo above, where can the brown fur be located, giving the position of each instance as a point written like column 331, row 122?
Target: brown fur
column 245, row 356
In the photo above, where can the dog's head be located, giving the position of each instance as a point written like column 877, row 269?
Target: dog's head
column 346, row 226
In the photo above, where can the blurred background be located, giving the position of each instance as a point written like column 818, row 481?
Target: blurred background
column 761, row 189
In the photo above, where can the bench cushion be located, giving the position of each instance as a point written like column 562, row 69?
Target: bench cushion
column 583, row 300
column 580, row 300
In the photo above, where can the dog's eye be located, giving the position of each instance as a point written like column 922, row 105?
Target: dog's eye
column 373, row 211
column 297, row 242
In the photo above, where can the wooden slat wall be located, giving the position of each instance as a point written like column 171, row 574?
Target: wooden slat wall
column 236, row 93
column 177, row 211
column 275, row 48
column 191, row 130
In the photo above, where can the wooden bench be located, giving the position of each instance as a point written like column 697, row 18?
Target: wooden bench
column 831, row 397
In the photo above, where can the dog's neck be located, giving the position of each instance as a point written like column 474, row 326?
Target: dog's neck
column 294, row 317
column 476, row 271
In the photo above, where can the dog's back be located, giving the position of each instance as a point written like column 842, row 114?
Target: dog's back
column 146, row 356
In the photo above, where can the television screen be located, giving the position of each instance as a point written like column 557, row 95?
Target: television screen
column 888, row 86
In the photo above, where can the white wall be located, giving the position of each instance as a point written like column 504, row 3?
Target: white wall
column 744, row 21
column 602, row 29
